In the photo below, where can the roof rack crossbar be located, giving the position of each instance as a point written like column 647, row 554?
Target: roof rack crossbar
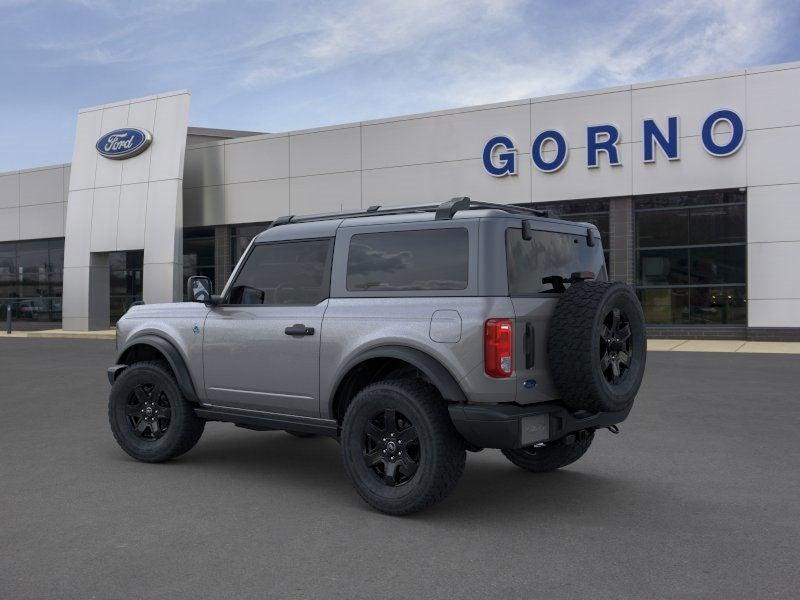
column 447, row 209
column 444, row 211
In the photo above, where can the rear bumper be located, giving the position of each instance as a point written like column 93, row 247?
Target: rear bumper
column 509, row 426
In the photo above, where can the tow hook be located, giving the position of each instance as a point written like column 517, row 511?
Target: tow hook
column 613, row 429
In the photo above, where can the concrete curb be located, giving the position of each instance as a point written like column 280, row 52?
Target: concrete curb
column 104, row 334
column 737, row 346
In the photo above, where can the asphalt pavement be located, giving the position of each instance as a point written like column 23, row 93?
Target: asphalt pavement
column 698, row 497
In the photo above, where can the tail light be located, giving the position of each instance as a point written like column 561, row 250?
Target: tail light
column 498, row 348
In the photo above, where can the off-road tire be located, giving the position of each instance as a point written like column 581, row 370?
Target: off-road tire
column 550, row 456
column 441, row 451
column 184, row 427
column 577, row 346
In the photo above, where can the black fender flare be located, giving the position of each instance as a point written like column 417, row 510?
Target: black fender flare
column 431, row 367
column 168, row 350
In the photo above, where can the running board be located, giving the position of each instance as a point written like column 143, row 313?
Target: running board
column 269, row 420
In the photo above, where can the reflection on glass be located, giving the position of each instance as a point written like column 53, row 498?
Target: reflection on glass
column 696, row 241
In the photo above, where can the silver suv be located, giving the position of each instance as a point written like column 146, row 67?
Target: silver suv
column 410, row 335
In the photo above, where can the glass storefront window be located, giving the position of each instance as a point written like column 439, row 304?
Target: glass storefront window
column 125, row 269
column 241, row 236
column 30, row 280
column 691, row 251
column 198, row 253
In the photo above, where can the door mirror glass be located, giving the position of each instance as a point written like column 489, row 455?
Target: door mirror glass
column 199, row 288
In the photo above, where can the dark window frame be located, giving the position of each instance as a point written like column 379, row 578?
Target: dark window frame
column 327, row 269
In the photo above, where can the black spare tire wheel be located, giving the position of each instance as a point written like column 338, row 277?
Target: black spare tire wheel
column 597, row 346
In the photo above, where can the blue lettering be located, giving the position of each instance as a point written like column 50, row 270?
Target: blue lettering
column 652, row 135
column 596, row 144
column 507, row 159
column 736, row 140
column 561, row 151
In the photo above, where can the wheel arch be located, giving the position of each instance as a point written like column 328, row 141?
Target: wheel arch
column 150, row 347
column 385, row 359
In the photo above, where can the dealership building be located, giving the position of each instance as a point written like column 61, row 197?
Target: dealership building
column 694, row 184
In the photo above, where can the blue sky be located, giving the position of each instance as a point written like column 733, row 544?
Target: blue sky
column 276, row 66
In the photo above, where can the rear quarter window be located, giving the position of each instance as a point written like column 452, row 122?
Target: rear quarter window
column 548, row 253
column 396, row 261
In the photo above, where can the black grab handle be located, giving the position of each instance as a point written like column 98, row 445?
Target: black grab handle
column 299, row 329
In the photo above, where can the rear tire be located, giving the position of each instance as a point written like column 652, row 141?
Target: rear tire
column 550, row 456
column 149, row 417
column 400, row 448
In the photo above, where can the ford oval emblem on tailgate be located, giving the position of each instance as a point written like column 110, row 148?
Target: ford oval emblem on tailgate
column 123, row 143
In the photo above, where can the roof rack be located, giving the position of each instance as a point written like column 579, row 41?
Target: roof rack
column 444, row 211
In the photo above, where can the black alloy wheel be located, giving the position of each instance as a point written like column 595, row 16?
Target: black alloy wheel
column 149, row 411
column 615, row 346
column 149, row 416
column 399, row 446
column 391, row 447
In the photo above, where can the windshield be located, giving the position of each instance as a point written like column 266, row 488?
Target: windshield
column 548, row 254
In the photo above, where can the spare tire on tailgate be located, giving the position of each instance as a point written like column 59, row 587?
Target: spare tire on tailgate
column 597, row 346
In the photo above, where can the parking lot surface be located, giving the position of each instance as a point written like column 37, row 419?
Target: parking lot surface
column 698, row 497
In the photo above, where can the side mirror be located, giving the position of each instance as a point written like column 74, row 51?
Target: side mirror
column 199, row 289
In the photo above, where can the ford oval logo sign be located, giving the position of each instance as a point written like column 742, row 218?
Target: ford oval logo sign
column 123, row 143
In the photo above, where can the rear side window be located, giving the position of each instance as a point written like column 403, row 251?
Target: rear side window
column 394, row 261
column 548, row 253
column 284, row 273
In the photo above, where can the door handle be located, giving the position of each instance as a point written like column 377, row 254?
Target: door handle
column 530, row 345
column 299, row 329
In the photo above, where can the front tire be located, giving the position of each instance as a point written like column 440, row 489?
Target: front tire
column 149, row 417
column 552, row 456
column 400, row 448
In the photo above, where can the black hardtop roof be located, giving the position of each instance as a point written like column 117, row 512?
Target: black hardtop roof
column 324, row 225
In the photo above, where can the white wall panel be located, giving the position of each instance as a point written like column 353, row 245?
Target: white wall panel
column 105, row 214
column 773, row 156
column 41, row 221
column 692, row 101
column 204, row 166
column 572, row 115
column 9, row 190
column 162, row 235
column 443, row 138
column 325, row 193
column 132, row 213
column 109, row 171
column 9, row 224
column 84, row 157
column 774, row 271
column 327, row 151
column 777, row 312
column 256, row 201
column 696, row 170
column 169, row 137
column 203, row 206
column 773, row 214
column 575, row 180
column 773, row 99
column 79, row 216
column 266, row 158
column 43, row 186
column 141, row 115
column 436, row 182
